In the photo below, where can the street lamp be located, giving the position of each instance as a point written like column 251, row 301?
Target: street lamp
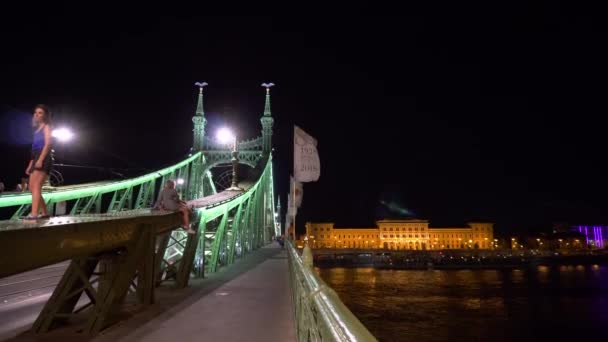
column 62, row 134
column 225, row 136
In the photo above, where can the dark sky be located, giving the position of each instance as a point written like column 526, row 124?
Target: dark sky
column 452, row 113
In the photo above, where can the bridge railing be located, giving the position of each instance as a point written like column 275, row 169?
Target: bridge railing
column 319, row 313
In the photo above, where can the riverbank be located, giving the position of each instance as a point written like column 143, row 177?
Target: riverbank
column 419, row 261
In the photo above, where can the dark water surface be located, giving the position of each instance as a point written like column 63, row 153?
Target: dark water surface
column 535, row 304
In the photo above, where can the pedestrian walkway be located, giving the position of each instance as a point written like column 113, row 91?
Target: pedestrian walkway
column 254, row 306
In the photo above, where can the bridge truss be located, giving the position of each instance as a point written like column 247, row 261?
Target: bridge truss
column 118, row 245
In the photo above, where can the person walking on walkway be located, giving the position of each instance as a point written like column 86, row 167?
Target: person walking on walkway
column 168, row 199
column 41, row 161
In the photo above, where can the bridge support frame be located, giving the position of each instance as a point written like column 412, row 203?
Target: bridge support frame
column 136, row 260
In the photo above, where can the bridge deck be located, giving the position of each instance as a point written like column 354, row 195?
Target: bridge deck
column 65, row 237
column 254, row 305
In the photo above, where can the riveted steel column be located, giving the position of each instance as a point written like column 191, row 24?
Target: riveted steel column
column 61, row 305
column 219, row 235
column 146, row 281
column 199, row 265
column 110, row 298
column 246, row 236
column 236, row 224
column 187, row 261
column 163, row 241
column 256, row 216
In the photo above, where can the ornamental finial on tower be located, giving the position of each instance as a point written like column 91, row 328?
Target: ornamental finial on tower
column 267, row 105
column 199, row 107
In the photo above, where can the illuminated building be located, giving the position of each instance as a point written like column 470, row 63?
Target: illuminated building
column 595, row 236
column 403, row 234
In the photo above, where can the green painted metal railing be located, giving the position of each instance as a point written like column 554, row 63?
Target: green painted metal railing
column 319, row 313
column 226, row 231
column 94, row 189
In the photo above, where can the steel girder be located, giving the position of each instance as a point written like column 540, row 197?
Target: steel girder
column 225, row 232
column 133, row 248
column 251, row 158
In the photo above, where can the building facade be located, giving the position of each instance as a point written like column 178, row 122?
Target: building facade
column 405, row 234
column 595, row 236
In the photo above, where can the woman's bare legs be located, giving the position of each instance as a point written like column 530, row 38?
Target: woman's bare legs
column 35, row 194
column 42, row 203
column 36, row 179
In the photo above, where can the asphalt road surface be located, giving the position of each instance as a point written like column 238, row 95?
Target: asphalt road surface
column 23, row 296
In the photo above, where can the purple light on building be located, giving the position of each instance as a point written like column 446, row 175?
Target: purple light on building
column 596, row 234
column 595, row 243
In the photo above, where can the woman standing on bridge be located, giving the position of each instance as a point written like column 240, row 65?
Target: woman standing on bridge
column 41, row 161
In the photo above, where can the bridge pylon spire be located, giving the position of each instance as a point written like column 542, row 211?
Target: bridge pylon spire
column 199, row 120
column 195, row 184
column 267, row 120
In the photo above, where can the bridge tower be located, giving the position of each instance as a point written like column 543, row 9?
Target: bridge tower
column 267, row 121
column 197, row 179
column 199, row 120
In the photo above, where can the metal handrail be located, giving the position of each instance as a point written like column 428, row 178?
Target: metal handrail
column 319, row 313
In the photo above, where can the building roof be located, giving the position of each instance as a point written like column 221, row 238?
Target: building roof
column 450, row 228
column 344, row 228
column 411, row 220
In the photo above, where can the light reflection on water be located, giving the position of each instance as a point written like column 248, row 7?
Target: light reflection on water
column 469, row 305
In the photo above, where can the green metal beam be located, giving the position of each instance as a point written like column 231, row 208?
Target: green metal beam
column 219, row 236
column 71, row 193
column 236, row 226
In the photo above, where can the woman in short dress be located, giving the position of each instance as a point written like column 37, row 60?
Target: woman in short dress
column 41, row 161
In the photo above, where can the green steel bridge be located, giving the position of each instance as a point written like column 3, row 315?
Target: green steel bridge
column 118, row 247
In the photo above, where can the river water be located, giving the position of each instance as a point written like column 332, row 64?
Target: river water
column 533, row 304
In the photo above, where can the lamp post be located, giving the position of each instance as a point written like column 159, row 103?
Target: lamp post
column 225, row 135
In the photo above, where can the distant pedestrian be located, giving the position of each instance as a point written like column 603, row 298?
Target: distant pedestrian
column 41, row 161
column 1, row 187
column 168, row 199
column 23, row 186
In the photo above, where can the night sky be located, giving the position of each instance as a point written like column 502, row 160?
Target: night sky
column 449, row 113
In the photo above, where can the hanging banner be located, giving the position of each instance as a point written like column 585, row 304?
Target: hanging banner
column 306, row 163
